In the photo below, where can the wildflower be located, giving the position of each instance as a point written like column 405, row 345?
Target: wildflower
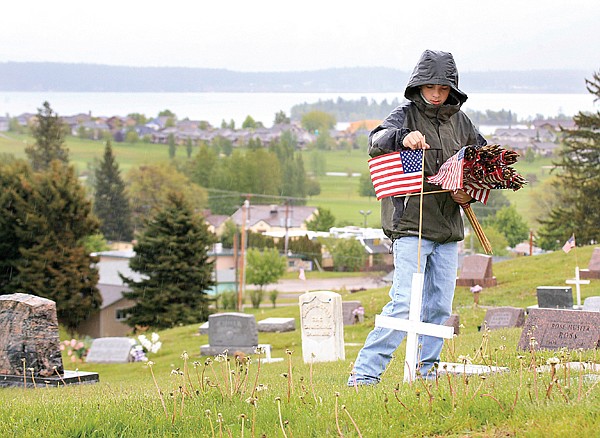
column 259, row 349
column 261, row 387
column 464, row 359
column 150, row 363
column 553, row 361
column 185, row 355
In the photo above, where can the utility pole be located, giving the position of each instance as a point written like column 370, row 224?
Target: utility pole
column 242, row 288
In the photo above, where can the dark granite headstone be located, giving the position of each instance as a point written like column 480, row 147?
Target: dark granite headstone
column 592, row 304
column 555, row 297
column 453, row 321
column 348, row 315
column 476, row 269
column 553, row 329
column 593, row 270
column 504, row 317
column 232, row 332
column 110, row 350
column 30, row 345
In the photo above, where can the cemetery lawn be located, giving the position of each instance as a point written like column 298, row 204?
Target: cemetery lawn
column 294, row 399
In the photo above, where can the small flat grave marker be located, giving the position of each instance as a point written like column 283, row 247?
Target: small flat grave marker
column 553, row 329
column 277, row 325
column 555, row 297
column 469, row 369
column 504, row 317
column 110, row 350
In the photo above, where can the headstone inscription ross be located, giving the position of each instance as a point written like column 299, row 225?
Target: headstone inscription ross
column 555, row 297
column 322, row 327
column 504, row 317
column 30, row 345
column 231, row 331
column 476, row 270
column 553, row 329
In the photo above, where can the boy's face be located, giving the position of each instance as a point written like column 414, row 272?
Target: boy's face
column 436, row 94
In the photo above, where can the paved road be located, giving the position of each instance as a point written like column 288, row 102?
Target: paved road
column 298, row 286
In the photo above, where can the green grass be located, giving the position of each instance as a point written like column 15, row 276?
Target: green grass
column 126, row 402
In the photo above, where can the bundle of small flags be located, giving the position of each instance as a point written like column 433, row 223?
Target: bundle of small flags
column 478, row 169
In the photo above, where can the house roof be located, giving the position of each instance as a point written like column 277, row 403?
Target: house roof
column 275, row 215
column 110, row 294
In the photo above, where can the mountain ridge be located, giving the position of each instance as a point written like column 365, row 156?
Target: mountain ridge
column 68, row 77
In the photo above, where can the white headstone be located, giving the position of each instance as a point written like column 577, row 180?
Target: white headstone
column 322, row 326
column 109, row 350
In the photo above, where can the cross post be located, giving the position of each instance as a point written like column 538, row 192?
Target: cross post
column 577, row 282
column 413, row 326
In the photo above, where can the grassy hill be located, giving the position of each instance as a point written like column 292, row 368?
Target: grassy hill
column 303, row 400
column 338, row 193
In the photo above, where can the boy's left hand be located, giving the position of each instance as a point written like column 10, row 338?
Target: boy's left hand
column 460, row 196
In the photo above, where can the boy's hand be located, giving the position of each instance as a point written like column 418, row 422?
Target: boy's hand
column 415, row 140
column 461, row 197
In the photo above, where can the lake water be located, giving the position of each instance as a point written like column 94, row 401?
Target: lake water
column 215, row 107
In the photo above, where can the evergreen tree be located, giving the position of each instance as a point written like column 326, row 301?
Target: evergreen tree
column 52, row 218
column 49, row 134
column 111, row 204
column 579, row 160
column 172, row 255
column 172, row 146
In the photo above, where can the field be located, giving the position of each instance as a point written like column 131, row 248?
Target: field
column 292, row 399
column 338, row 193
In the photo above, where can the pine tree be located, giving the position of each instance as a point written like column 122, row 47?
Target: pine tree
column 579, row 160
column 51, row 218
column 111, row 204
column 172, row 255
column 49, row 134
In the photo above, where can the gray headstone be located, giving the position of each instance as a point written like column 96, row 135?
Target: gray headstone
column 110, row 350
column 552, row 329
column 504, row 317
column 322, row 326
column 277, row 325
column 555, row 297
column 593, row 270
column 592, row 304
column 232, row 332
column 29, row 333
column 348, row 308
column 203, row 329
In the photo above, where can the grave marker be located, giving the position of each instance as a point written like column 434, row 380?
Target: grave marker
column 504, row 317
column 476, row 270
column 555, row 297
column 231, row 331
column 553, row 329
column 348, row 308
column 277, row 325
column 593, row 271
column 321, row 322
column 30, row 345
column 577, row 281
column 110, row 350
column 592, row 304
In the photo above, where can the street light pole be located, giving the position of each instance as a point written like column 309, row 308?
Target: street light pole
column 365, row 214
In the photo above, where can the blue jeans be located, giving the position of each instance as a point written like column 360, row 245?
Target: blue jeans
column 439, row 263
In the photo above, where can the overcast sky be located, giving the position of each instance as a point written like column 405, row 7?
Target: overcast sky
column 279, row 35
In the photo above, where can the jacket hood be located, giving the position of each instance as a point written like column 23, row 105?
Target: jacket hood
column 435, row 67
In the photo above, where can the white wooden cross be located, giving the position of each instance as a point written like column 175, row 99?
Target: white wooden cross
column 414, row 327
column 577, row 282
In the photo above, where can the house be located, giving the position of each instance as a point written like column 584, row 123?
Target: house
column 4, row 124
column 268, row 218
column 110, row 320
column 216, row 223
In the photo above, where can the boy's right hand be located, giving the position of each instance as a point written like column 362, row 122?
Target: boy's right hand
column 415, row 140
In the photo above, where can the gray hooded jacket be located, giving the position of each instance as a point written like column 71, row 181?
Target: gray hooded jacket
column 446, row 129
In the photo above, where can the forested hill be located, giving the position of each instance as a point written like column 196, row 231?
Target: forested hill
column 42, row 76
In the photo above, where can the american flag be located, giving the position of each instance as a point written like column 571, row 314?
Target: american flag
column 450, row 177
column 569, row 244
column 397, row 173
